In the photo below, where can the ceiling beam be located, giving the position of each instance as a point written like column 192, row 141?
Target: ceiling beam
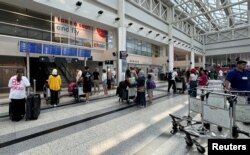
column 233, row 4
column 228, row 11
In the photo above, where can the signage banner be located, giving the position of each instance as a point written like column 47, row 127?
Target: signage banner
column 51, row 49
column 84, row 53
column 30, row 47
column 83, row 34
column 123, row 55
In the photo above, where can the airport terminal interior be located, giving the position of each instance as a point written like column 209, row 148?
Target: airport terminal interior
column 122, row 77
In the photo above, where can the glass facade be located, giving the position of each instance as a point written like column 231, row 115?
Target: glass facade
column 220, row 19
column 24, row 23
column 139, row 47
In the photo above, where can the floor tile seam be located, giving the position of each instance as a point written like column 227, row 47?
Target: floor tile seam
column 95, row 127
column 77, row 118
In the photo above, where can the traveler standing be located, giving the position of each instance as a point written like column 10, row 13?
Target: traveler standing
column 114, row 77
column 18, row 84
column 109, row 76
column 203, row 79
column 78, row 76
column 141, row 96
column 96, row 75
column 104, row 82
column 150, row 87
column 193, row 83
column 87, row 83
column 54, row 83
column 220, row 74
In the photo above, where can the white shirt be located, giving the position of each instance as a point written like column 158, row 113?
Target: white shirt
column 174, row 74
column 193, row 77
column 18, row 89
column 113, row 74
column 79, row 75
column 104, row 76
column 220, row 73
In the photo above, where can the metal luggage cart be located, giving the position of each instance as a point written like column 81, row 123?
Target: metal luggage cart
column 78, row 93
column 221, row 115
column 195, row 106
column 180, row 85
column 241, row 111
column 131, row 94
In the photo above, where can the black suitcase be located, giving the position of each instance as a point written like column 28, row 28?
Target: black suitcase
column 33, row 106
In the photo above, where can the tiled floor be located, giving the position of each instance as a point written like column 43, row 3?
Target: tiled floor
column 100, row 127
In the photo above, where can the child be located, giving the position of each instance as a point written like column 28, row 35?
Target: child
column 150, row 86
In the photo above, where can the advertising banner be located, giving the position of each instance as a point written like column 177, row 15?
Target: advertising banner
column 84, row 35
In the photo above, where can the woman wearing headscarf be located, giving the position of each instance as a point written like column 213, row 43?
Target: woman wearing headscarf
column 54, row 83
column 18, row 84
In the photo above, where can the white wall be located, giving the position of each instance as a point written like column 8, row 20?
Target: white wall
column 238, row 46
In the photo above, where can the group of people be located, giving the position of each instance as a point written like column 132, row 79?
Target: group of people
column 87, row 78
column 138, row 82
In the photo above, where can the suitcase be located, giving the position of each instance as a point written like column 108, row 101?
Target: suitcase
column 33, row 104
column 71, row 87
column 123, row 95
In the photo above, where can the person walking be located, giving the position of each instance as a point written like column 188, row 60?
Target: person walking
column 54, row 83
column 171, row 81
column 96, row 78
column 18, row 84
column 87, row 83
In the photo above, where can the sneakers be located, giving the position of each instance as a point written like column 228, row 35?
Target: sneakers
column 87, row 101
column 55, row 105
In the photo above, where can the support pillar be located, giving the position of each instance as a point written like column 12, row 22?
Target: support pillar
column 171, row 44
column 122, row 64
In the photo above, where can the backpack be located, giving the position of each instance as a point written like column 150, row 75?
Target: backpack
column 151, row 84
column 169, row 76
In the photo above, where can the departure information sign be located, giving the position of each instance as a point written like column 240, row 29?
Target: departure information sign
column 51, row 49
column 84, row 53
column 40, row 48
column 30, row 47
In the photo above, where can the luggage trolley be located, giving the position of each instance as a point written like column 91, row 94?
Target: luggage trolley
column 78, row 92
column 241, row 112
column 195, row 105
column 220, row 115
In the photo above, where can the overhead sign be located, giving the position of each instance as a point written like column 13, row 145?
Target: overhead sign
column 123, row 55
column 30, row 47
column 84, row 53
column 68, row 51
column 50, row 49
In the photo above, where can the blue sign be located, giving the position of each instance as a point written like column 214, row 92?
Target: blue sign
column 84, row 53
column 69, row 51
column 30, row 47
column 51, row 49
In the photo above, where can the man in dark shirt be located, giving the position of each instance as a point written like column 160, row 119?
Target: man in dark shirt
column 87, row 82
column 96, row 75
column 239, row 78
